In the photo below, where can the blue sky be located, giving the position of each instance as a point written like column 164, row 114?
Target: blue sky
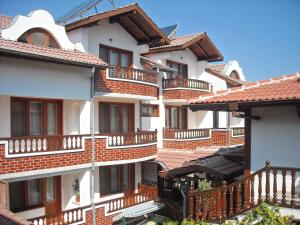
column 263, row 35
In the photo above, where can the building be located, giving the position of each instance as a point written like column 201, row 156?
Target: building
column 272, row 127
column 85, row 108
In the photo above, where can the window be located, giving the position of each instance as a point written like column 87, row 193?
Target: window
column 116, row 117
column 39, row 37
column 182, row 70
column 25, row 194
column 115, row 56
column 150, row 110
column 234, row 75
column 176, row 117
column 35, row 117
column 116, row 179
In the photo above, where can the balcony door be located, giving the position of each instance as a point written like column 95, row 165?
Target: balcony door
column 116, row 57
column 176, row 117
column 35, row 117
column 52, row 201
column 182, row 70
column 116, row 117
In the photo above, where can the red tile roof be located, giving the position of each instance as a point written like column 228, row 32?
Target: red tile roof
column 286, row 87
column 54, row 54
column 217, row 68
column 179, row 41
column 5, row 21
column 9, row 218
column 176, row 158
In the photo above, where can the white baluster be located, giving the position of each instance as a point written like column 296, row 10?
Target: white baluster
column 39, row 144
column 64, row 142
column 69, row 142
column 11, row 146
column 33, row 143
column 73, row 142
column 17, row 147
column 28, row 145
column 44, row 144
column 22, row 148
column 78, row 142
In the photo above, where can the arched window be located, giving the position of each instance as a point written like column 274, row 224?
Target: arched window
column 39, row 37
column 234, row 75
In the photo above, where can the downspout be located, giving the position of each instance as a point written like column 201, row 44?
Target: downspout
column 92, row 129
column 183, row 191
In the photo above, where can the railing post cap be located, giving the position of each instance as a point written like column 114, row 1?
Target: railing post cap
column 267, row 163
column 224, row 183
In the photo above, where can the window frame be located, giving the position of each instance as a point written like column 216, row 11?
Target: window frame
column 44, row 121
column 119, row 53
column 170, row 63
column 131, row 177
column 184, row 118
column 131, row 122
column 148, row 114
column 47, row 38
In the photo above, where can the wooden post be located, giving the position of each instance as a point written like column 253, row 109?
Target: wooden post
column 224, row 208
column 252, row 191
column 283, row 201
column 274, row 186
column 4, row 194
column 267, row 168
column 259, row 188
column 293, row 191
column 191, row 203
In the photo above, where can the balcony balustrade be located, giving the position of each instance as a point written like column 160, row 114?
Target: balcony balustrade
column 185, row 133
column 180, row 82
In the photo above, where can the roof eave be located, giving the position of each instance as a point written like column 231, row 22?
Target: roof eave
column 7, row 52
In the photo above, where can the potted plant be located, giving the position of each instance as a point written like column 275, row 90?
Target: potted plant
column 76, row 189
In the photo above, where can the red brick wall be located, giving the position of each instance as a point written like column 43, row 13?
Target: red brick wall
column 218, row 138
column 21, row 164
column 181, row 94
column 101, row 219
column 124, row 87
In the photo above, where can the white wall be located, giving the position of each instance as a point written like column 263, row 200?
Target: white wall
column 4, row 116
column 28, row 78
column 108, row 34
column 276, row 137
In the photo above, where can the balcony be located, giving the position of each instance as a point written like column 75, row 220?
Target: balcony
column 127, row 81
column 183, row 88
column 131, row 138
column 185, row 134
column 79, row 215
column 273, row 185
column 20, row 146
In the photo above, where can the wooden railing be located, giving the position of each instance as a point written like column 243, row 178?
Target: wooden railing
column 273, row 185
column 145, row 194
column 133, row 74
column 237, row 131
column 185, row 133
column 62, row 218
column 38, row 144
column 131, row 138
column 180, row 82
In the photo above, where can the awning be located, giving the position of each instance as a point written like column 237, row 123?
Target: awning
column 142, row 209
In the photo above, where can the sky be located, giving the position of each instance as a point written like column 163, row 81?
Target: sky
column 263, row 35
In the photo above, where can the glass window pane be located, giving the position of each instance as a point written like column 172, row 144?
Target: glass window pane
column 104, row 114
column 115, row 118
column 181, row 118
column 52, row 118
column 113, row 57
column 34, row 192
column 167, row 117
column 103, row 54
column 125, row 173
column 174, row 117
column 115, row 179
column 50, row 189
column 124, row 60
column 18, row 118
column 125, row 112
column 53, row 43
column 35, row 118
column 16, row 196
column 104, row 180
column 38, row 38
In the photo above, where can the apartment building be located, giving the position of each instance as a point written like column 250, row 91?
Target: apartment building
column 86, row 107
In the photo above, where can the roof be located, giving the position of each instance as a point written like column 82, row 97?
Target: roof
column 217, row 68
column 229, row 80
column 169, row 30
column 131, row 17
column 5, row 21
column 276, row 90
column 16, row 48
column 142, row 209
column 9, row 218
column 199, row 43
column 176, row 158
column 225, row 163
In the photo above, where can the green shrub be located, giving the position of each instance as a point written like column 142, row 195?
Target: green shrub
column 171, row 223
column 204, row 185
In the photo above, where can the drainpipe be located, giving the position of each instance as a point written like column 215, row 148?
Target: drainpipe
column 228, row 127
column 183, row 191
column 92, row 129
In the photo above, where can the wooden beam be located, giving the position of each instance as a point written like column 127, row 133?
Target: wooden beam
column 116, row 19
column 247, row 159
column 205, row 53
column 132, row 21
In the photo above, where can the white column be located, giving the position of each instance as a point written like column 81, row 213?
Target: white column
column 85, row 188
column 85, row 117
